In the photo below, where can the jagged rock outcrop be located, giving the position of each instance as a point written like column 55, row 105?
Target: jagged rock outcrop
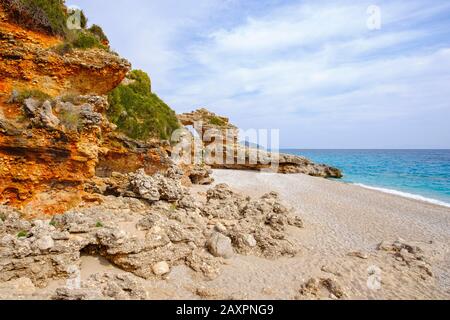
column 51, row 151
column 169, row 228
column 58, row 146
column 203, row 121
column 219, row 148
column 168, row 187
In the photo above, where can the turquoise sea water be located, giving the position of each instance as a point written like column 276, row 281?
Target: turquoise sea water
column 413, row 173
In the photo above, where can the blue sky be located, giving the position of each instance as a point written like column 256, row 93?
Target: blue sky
column 312, row 69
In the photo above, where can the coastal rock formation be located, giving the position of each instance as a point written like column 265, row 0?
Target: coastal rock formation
column 139, row 185
column 50, row 146
column 219, row 147
column 86, row 174
column 207, row 124
column 169, row 227
column 49, row 152
column 55, row 135
column 125, row 155
column 56, row 140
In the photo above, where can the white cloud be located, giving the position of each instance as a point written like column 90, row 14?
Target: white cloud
column 320, row 63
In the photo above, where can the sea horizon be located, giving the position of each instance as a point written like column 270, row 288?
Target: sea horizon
column 421, row 174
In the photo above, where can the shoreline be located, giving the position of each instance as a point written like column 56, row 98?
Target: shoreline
column 403, row 194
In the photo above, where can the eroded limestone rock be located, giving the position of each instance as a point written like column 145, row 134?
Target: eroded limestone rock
column 142, row 186
column 105, row 286
column 323, row 288
column 174, row 229
column 256, row 227
column 220, row 246
column 201, row 174
column 217, row 133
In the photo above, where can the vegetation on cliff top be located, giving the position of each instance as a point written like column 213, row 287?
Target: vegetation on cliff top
column 43, row 15
column 217, row 121
column 83, row 39
column 51, row 16
column 138, row 112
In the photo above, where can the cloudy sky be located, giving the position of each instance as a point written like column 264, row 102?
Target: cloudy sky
column 312, row 69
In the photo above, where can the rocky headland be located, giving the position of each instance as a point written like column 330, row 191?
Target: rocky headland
column 216, row 133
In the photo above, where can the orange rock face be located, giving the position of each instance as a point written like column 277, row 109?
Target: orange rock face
column 43, row 166
column 29, row 60
column 28, row 170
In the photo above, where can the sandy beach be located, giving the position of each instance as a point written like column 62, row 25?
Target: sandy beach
column 339, row 219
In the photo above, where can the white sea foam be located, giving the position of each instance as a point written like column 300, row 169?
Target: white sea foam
column 406, row 195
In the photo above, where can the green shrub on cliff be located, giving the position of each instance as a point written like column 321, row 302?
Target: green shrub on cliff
column 138, row 112
column 98, row 32
column 43, row 15
column 80, row 39
column 83, row 39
